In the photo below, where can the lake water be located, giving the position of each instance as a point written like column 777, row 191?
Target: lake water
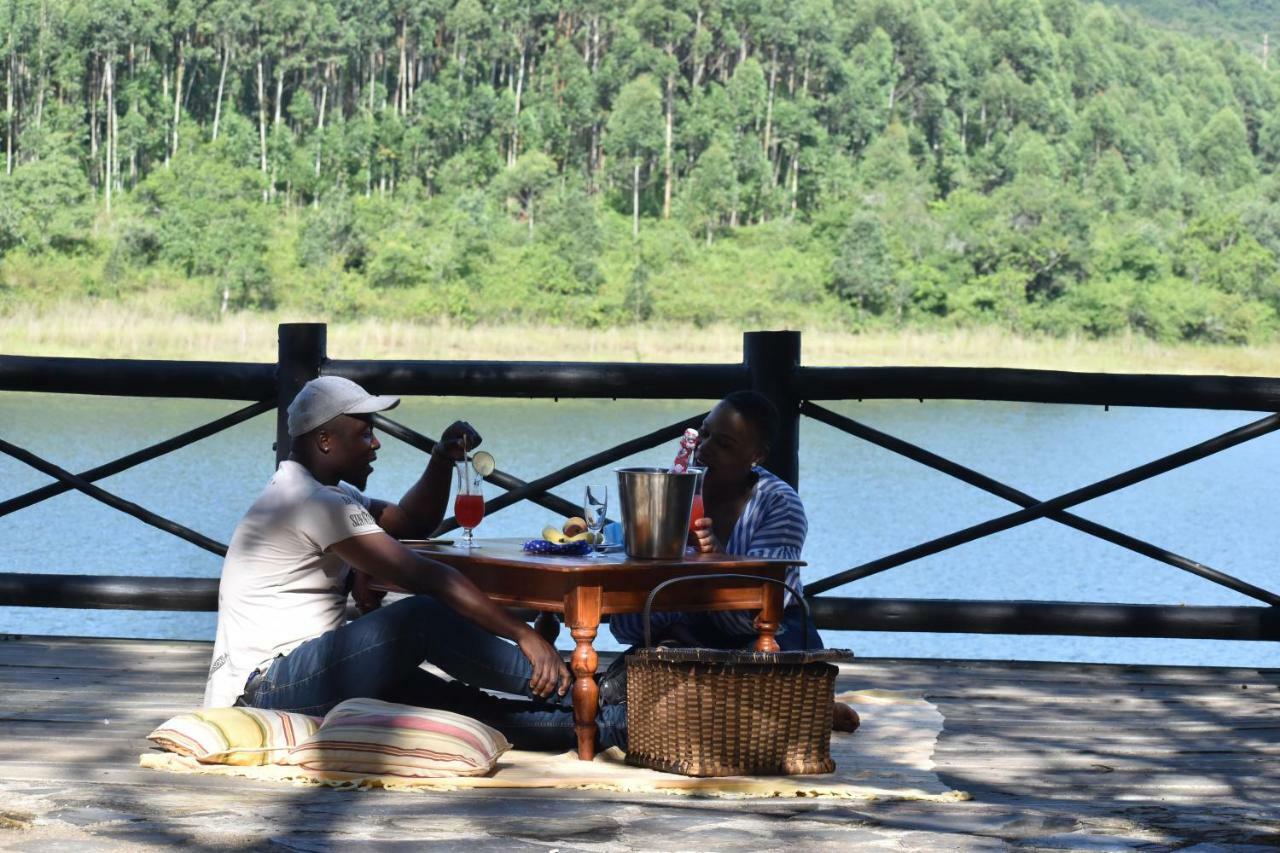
column 862, row 502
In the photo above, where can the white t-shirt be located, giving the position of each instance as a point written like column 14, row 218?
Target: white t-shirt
column 280, row 587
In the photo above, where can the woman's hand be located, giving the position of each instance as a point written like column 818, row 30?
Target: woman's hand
column 550, row 675
column 705, row 537
column 457, row 439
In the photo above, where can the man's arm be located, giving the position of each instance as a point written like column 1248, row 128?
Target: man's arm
column 420, row 511
column 422, row 507
column 383, row 558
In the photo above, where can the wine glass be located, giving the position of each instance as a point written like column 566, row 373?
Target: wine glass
column 468, row 506
column 595, row 504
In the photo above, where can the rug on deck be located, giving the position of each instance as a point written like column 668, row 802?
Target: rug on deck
column 889, row 757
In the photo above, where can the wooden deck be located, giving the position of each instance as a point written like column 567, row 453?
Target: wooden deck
column 1056, row 756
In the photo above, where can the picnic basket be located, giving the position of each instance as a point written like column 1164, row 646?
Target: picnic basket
column 710, row 712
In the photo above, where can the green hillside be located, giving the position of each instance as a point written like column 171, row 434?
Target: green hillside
column 1043, row 166
column 1244, row 20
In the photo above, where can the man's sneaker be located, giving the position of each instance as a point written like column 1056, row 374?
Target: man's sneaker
column 613, row 682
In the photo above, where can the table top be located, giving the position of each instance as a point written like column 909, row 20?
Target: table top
column 502, row 569
column 509, row 553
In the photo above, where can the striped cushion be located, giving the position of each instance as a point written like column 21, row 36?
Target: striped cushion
column 386, row 739
column 240, row 736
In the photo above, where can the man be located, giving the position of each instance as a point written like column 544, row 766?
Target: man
column 282, row 640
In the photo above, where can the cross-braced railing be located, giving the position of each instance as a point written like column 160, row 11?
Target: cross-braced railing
column 83, row 482
column 771, row 364
column 1033, row 508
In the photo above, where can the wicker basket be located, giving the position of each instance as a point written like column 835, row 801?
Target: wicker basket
column 704, row 712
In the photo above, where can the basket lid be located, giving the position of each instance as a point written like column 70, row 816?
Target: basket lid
column 675, row 654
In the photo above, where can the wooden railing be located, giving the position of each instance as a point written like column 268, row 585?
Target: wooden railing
column 771, row 364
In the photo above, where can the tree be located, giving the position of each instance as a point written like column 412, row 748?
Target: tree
column 634, row 134
column 526, row 180
column 862, row 272
column 43, row 206
column 571, row 229
column 1222, row 151
column 665, row 24
column 212, row 225
column 711, row 191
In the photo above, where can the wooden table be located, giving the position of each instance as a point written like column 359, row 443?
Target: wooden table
column 584, row 589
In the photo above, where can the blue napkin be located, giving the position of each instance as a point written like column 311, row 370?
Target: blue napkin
column 564, row 549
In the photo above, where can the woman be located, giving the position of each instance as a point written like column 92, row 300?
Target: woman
column 748, row 511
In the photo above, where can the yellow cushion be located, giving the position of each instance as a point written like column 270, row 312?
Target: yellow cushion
column 240, row 736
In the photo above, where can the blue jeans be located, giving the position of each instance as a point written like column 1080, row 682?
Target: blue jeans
column 378, row 655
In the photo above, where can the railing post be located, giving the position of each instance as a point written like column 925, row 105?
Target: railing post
column 301, row 353
column 771, row 359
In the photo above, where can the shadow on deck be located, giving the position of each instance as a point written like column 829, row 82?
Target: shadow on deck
column 1056, row 756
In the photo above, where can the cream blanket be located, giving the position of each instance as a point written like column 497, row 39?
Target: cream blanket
column 889, row 757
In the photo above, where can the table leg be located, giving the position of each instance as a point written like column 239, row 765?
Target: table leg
column 582, row 614
column 769, row 618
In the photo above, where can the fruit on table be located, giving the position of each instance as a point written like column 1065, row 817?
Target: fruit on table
column 554, row 535
column 574, row 526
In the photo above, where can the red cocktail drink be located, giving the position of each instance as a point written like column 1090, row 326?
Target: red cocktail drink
column 468, row 510
column 696, row 512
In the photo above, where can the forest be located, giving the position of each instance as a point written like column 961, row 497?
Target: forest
column 1041, row 166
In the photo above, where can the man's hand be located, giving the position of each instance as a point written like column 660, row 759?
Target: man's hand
column 457, row 439
column 550, row 675
column 366, row 597
column 704, row 537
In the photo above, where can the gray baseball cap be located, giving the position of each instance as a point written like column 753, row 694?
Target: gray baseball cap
column 324, row 398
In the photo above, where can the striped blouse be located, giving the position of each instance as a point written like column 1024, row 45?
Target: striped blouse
column 772, row 525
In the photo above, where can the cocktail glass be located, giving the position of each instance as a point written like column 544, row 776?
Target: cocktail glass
column 468, row 506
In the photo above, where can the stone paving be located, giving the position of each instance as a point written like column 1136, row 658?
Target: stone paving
column 1056, row 756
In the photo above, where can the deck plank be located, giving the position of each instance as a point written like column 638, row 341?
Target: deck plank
column 1055, row 755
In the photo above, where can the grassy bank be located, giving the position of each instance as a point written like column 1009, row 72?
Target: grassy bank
column 111, row 330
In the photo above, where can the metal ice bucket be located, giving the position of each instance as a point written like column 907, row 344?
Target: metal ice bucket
column 655, row 511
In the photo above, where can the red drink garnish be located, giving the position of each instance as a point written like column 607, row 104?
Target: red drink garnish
column 468, row 510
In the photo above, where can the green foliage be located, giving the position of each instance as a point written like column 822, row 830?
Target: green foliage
column 211, row 224
column 43, row 207
column 634, row 133
column 1241, row 19
column 1221, row 151
column 1040, row 165
column 711, row 193
column 863, row 271
column 525, row 181
column 571, row 232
